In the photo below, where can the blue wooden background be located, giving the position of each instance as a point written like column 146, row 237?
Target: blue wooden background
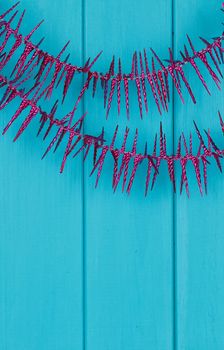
column 88, row 269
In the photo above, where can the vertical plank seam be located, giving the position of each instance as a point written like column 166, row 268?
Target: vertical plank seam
column 174, row 235
column 83, row 22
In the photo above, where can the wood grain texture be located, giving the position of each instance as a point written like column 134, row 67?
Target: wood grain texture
column 128, row 244
column 199, row 221
column 41, row 220
column 83, row 268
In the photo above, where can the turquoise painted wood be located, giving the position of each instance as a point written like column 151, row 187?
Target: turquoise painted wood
column 83, row 268
column 41, row 221
column 199, row 222
column 128, row 270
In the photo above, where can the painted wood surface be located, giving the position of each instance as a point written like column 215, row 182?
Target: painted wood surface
column 199, row 223
column 41, row 221
column 128, row 289
column 83, row 268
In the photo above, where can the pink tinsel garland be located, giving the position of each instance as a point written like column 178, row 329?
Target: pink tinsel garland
column 36, row 64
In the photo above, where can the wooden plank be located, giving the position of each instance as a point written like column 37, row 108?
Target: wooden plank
column 199, row 223
column 128, row 240
column 41, row 218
